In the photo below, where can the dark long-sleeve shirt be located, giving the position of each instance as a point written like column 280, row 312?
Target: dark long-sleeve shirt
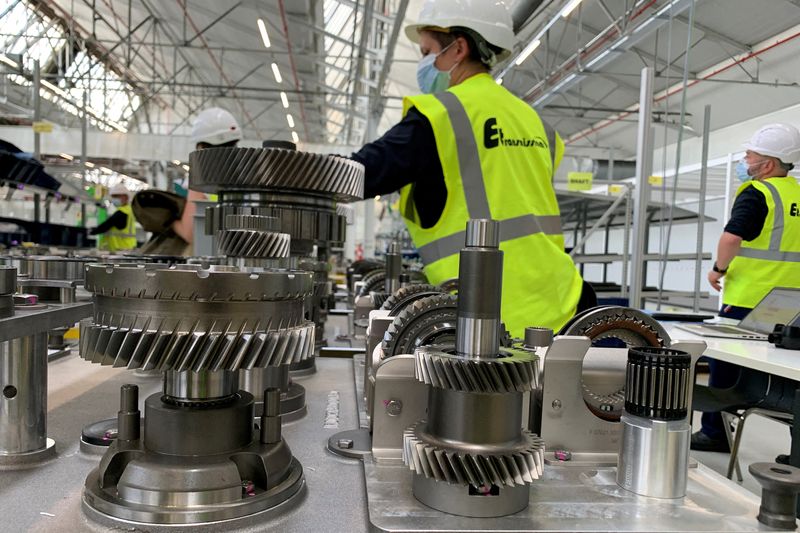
column 748, row 214
column 407, row 154
column 118, row 220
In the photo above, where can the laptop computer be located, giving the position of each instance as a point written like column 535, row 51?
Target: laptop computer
column 780, row 306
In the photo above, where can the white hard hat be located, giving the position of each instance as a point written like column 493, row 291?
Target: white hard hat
column 776, row 140
column 119, row 189
column 488, row 18
column 215, row 126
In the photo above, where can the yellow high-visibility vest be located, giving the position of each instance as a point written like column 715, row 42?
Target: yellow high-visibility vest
column 773, row 258
column 123, row 239
column 498, row 160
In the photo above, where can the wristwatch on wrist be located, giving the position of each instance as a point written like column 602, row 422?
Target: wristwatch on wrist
column 715, row 268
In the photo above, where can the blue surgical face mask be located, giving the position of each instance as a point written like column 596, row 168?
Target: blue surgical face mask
column 741, row 172
column 429, row 78
column 116, row 202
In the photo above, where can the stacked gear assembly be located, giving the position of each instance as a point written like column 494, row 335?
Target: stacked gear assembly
column 472, row 445
column 199, row 459
column 253, row 242
column 300, row 189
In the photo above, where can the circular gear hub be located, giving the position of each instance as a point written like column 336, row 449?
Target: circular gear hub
column 430, row 320
column 616, row 327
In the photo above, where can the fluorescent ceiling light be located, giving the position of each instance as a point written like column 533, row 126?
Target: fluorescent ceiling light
column 89, row 164
column 295, row 138
column 569, row 8
column 277, row 73
column 264, row 36
column 66, row 156
column 176, row 162
column 106, row 170
column 8, row 61
column 284, row 99
column 290, row 120
column 186, row 168
column 533, row 45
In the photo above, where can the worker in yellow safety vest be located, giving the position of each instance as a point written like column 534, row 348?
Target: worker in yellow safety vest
column 468, row 148
column 120, row 228
column 759, row 248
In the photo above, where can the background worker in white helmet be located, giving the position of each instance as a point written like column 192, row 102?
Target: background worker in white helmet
column 468, row 148
column 759, row 249
column 120, row 228
column 213, row 128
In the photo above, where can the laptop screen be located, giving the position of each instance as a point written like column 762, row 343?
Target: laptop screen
column 780, row 306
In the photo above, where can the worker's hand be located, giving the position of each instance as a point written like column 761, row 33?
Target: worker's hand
column 714, row 280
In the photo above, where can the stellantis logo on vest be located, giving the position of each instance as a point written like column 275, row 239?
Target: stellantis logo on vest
column 493, row 137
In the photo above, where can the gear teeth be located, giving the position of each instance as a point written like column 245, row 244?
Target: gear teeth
column 406, row 295
column 275, row 168
column 628, row 325
column 241, row 221
column 373, row 282
column 521, row 466
column 195, row 350
column 513, row 371
column 254, row 244
column 439, row 308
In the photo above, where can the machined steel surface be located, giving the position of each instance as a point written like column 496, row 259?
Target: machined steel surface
column 8, row 280
column 570, row 499
column 53, row 267
column 257, row 168
column 394, row 267
column 334, row 501
column 44, row 317
column 23, row 403
column 654, row 456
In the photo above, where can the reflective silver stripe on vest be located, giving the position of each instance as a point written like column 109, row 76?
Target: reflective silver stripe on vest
column 777, row 221
column 550, row 133
column 770, row 255
column 510, row 229
column 773, row 253
column 469, row 162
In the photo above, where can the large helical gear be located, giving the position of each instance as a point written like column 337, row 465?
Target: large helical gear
column 622, row 326
column 430, row 320
column 153, row 348
column 519, row 464
column 277, row 169
column 513, row 371
column 190, row 318
column 405, row 296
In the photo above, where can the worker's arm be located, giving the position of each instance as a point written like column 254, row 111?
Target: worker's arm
column 727, row 248
column 184, row 226
column 405, row 153
column 118, row 220
column 747, row 220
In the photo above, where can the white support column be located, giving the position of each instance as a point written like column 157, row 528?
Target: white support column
column 644, row 168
